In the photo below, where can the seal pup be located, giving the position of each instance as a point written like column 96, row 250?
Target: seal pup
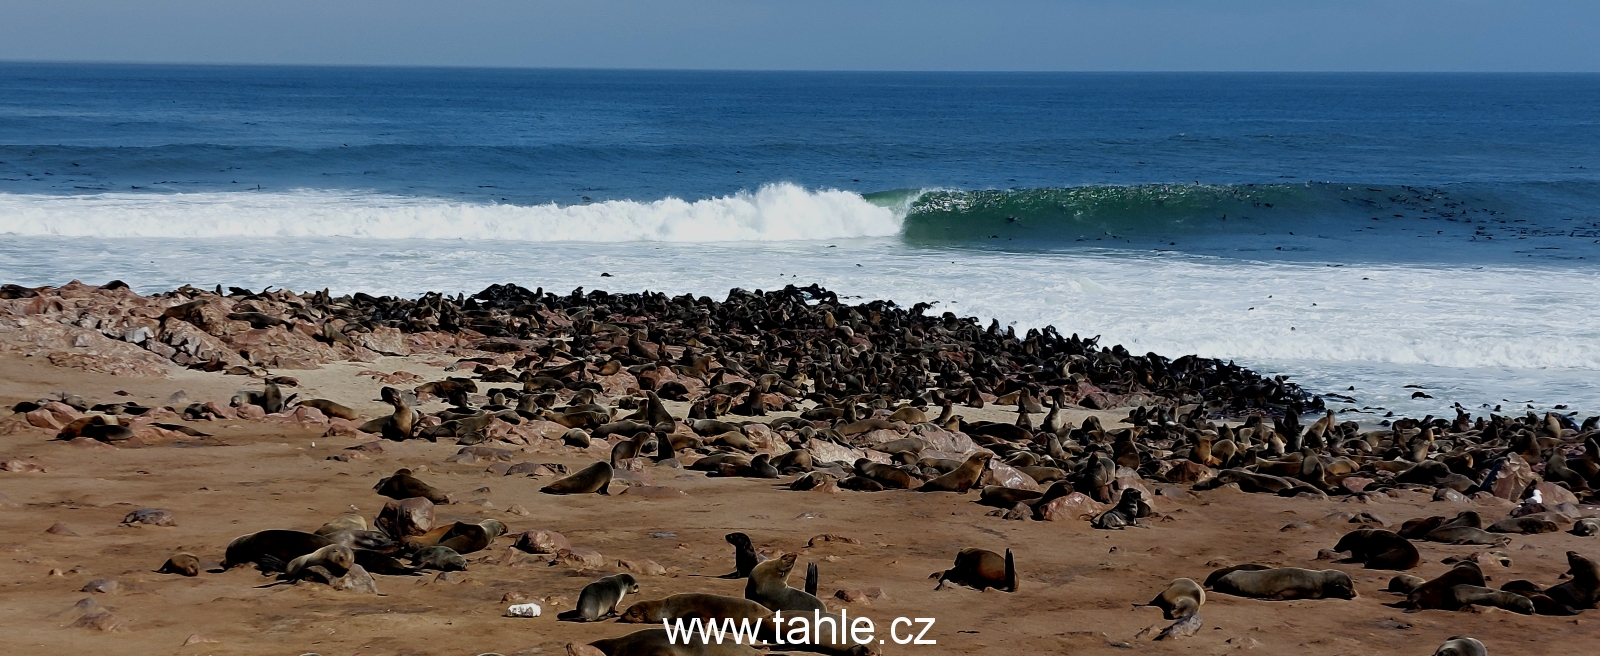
column 181, row 563
column 1285, row 583
column 1461, row 646
column 769, row 586
column 1379, row 549
column 440, row 558
column 1182, row 598
column 1130, row 507
column 961, row 479
column 599, row 599
column 1465, row 535
column 745, row 557
column 1586, row 527
column 981, row 569
column 594, row 478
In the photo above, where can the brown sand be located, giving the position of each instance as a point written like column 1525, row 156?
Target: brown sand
column 1077, row 584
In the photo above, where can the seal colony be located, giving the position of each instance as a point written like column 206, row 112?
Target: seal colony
column 632, row 402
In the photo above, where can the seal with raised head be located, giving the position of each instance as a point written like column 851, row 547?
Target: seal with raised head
column 599, row 599
column 961, row 479
column 1285, row 583
column 745, row 557
column 594, row 478
column 981, row 569
column 769, row 586
column 335, row 559
column 1379, row 549
column 1582, row 591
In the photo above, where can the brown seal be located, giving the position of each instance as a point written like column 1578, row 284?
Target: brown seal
column 1437, row 592
column 1461, row 646
column 769, row 586
column 694, row 604
column 599, row 599
column 1582, row 591
column 1379, row 549
column 981, row 569
column 181, row 563
column 274, row 545
column 402, row 485
column 331, row 408
column 1287, row 583
column 1182, row 598
column 745, row 557
column 594, row 478
column 963, row 478
column 654, row 642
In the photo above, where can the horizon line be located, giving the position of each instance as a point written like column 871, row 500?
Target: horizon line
column 513, row 67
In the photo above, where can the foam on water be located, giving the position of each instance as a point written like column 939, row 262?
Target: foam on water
column 773, row 212
column 1468, row 335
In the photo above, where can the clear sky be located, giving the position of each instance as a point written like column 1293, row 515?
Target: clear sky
column 1051, row 35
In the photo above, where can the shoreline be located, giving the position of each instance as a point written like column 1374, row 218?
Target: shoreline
column 1219, row 454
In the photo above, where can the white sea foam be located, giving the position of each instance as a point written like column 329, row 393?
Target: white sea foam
column 775, row 212
column 1468, row 334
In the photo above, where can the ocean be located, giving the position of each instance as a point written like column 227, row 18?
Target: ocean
column 1396, row 243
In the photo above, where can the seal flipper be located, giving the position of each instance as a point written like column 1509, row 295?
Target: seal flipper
column 269, row 563
column 1011, row 573
column 811, row 579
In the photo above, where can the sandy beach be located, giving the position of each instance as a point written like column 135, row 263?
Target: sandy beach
column 65, row 505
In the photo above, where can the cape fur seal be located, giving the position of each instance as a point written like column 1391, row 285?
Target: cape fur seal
column 594, row 478
column 1285, row 583
column 402, row 485
column 745, row 557
column 599, row 599
column 694, row 604
column 440, row 558
column 1182, row 598
column 654, row 642
column 769, row 586
column 335, row 559
column 276, row 545
column 1437, row 593
column 1130, row 507
column 962, row 478
column 1582, row 591
column 981, row 569
column 181, row 563
column 1379, row 549
column 1461, row 646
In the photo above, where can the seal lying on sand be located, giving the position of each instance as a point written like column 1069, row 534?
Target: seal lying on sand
column 981, row 569
column 1285, row 583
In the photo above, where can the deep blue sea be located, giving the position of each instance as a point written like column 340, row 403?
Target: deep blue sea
column 1356, row 232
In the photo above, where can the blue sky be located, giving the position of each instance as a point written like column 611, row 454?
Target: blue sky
column 1049, row 35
